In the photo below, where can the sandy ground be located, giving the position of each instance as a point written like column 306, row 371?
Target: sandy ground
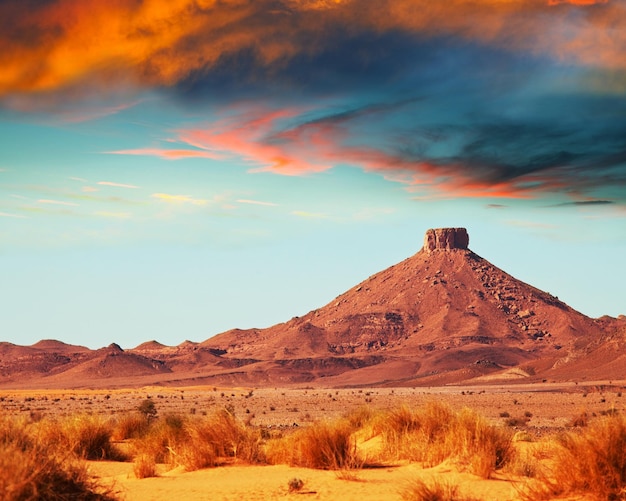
column 271, row 482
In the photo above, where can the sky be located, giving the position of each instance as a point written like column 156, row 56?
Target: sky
column 171, row 169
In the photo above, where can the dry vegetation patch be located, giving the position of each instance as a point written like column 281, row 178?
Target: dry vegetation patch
column 590, row 461
column 33, row 468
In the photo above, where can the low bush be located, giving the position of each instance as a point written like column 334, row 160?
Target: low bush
column 322, row 445
column 419, row 490
column 33, row 469
column 435, row 432
column 590, row 462
column 89, row 437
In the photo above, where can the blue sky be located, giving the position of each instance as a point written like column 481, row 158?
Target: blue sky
column 170, row 170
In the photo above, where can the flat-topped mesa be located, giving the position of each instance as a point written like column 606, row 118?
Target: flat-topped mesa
column 445, row 239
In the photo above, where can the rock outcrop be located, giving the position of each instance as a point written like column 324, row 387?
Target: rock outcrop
column 445, row 239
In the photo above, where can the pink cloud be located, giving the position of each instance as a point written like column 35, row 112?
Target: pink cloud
column 175, row 154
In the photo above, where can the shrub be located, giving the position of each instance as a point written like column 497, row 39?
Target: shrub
column 199, row 443
column 435, row 432
column 89, row 437
column 295, row 484
column 144, row 466
column 33, row 469
column 590, row 462
column 130, row 425
column 322, row 445
column 418, row 490
column 147, row 408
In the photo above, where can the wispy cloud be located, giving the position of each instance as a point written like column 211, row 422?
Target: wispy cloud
column 256, row 202
column 114, row 215
column 584, row 203
column 179, row 199
column 117, row 185
column 167, row 154
column 56, row 202
column 310, row 215
column 79, row 179
column 7, row 214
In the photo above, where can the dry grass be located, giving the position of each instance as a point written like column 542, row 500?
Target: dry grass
column 131, row 425
column 144, row 466
column 33, row 469
column 591, row 461
column 199, row 442
column 418, row 490
column 323, row 445
column 89, row 437
column 435, row 432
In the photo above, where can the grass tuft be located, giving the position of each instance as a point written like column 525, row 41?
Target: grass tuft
column 323, row 445
column 419, row 490
column 31, row 468
column 591, row 461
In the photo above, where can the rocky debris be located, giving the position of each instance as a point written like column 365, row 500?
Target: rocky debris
column 446, row 239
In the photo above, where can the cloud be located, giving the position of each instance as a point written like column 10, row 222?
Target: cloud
column 56, row 202
column 310, row 215
column 256, row 202
column 163, row 43
column 166, row 154
column 489, row 98
column 117, row 185
column 584, row 203
column 179, row 199
column 114, row 215
column 7, row 214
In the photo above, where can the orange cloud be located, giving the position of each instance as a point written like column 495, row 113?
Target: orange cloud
column 159, row 42
column 165, row 153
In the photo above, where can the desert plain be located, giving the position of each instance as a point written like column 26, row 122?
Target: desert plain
column 539, row 412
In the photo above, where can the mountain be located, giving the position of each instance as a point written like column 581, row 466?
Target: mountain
column 444, row 315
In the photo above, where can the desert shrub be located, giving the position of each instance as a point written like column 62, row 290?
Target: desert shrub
column 147, row 408
column 435, row 432
column 144, row 466
column 322, row 445
column 89, row 437
column 419, row 490
column 515, row 422
column 200, row 442
column 216, row 438
column 580, row 421
column 130, row 425
column 159, row 439
column 33, row 469
column 295, row 484
column 591, row 462
column 523, row 463
column 360, row 417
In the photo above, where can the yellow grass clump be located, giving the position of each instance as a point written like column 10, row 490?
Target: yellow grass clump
column 591, row 461
column 435, row 433
column 200, row 442
column 322, row 445
column 419, row 490
column 31, row 468
column 89, row 437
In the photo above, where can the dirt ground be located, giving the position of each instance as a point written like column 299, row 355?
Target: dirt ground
column 545, row 407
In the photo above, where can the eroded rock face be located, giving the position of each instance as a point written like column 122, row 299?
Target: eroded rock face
column 445, row 239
